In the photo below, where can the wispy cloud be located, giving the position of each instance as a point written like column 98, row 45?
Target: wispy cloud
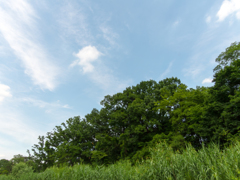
column 18, row 27
column 109, row 35
column 43, row 104
column 207, row 81
column 7, row 148
column 227, row 8
column 21, row 130
column 176, row 23
column 238, row 14
column 15, row 129
column 194, row 67
column 4, row 92
column 208, row 19
column 193, row 71
column 14, row 124
column 104, row 78
column 74, row 25
column 78, row 26
column 163, row 75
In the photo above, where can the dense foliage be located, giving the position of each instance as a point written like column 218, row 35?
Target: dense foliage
column 132, row 122
column 164, row 164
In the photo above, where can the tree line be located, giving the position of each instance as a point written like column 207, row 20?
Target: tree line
column 131, row 122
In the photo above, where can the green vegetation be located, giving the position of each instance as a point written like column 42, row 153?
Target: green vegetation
column 20, row 169
column 164, row 163
column 124, row 139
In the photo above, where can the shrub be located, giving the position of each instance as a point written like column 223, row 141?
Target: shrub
column 21, row 168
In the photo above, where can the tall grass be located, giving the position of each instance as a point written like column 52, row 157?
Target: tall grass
column 208, row 163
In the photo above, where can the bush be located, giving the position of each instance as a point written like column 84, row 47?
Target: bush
column 21, row 168
column 4, row 172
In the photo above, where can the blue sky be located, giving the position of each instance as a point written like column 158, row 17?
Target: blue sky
column 58, row 59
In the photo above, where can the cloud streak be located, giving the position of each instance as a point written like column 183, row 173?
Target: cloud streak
column 208, row 19
column 13, row 126
column 16, row 132
column 163, row 75
column 109, row 35
column 176, row 23
column 74, row 24
column 18, row 27
column 43, row 104
column 21, row 130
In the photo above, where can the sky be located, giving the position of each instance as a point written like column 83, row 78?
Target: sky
column 59, row 58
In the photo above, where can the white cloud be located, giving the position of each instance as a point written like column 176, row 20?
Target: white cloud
column 4, row 92
column 18, row 27
column 86, row 56
column 207, row 81
column 208, row 19
column 227, row 8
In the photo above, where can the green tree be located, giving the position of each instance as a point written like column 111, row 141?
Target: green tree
column 75, row 139
column 39, row 155
column 68, row 144
column 5, row 166
column 18, row 158
column 185, row 108
column 128, row 120
column 221, row 120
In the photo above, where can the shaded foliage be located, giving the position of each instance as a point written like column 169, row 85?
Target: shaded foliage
column 5, row 166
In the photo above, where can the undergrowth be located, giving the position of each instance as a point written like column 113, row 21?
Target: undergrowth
column 207, row 163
